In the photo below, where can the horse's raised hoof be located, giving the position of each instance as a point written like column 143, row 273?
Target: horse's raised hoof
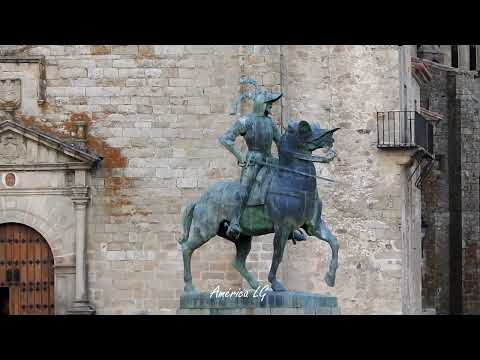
column 330, row 279
column 278, row 286
column 189, row 289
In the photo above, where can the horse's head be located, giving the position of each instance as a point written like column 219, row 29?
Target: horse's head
column 309, row 137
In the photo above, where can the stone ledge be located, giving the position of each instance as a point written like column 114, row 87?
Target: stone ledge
column 274, row 303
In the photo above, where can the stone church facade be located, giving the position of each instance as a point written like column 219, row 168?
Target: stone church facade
column 102, row 146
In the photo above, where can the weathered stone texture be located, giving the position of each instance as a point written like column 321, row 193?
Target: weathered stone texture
column 344, row 86
column 258, row 303
column 439, row 197
column 155, row 113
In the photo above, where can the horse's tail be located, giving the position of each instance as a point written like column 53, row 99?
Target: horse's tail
column 187, row 216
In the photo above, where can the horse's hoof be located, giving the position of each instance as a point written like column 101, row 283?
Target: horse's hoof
column 330, row 280
column 278, row 286
column 233, row 231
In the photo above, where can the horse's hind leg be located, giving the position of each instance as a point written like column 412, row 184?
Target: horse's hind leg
column 321, row 231
column 243, row 245
column 196, row 239
column 279, row 242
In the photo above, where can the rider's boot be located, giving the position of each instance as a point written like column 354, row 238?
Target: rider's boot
column 234, row 229
column 299, row 236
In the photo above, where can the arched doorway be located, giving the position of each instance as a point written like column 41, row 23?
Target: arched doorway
column 26, row 272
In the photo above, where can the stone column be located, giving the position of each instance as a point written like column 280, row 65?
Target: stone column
column 404, row 76
column 411, row 276
column 446, row 51
column 464, row 57
column 80, row 201
column 477, row 49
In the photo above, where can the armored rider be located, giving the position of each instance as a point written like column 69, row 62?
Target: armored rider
column 258, row 131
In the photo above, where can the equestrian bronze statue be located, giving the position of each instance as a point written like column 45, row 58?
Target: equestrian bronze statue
column 259, row 131
column 272, row 196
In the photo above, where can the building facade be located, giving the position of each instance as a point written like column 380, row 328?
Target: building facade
column 450, row 208
column 102, row 146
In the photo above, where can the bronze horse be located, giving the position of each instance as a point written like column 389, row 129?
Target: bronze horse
column 291, row 202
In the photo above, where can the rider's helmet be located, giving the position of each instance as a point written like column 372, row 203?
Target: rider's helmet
column 261, row 98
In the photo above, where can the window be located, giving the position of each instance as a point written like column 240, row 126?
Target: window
column 473, row 58
column 455, row 56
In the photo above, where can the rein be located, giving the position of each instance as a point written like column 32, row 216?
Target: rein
column 293, row 171
column 312, row 158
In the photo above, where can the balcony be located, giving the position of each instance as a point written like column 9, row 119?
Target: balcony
column 404, row 130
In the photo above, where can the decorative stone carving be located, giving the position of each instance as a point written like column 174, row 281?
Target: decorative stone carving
column 12, row 148
column 31, row 71
column 10, row 94
column 23, row 148
column 10, row 179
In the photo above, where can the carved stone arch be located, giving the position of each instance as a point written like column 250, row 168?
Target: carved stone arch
column 37, row 223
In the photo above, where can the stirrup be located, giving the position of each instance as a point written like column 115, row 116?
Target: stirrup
column 298, row 236
column 233, row 231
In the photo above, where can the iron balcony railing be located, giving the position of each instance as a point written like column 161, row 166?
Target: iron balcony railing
column 404, row 129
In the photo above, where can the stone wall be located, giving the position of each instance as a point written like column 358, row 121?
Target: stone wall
column 344, row 86
column 450, row 206
column 155, row 113
column 470, row 196
column 435, row 208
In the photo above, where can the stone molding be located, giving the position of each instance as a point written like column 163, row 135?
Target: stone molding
column 36, row 222
column 36, row 191
column 430, row 115
column 420, row 72
column 50, row 142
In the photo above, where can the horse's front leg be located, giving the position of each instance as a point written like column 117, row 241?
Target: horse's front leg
column 244, row 244
column 279, row 242
column 322, row 232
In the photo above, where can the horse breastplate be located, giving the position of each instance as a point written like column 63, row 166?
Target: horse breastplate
column 259, row 135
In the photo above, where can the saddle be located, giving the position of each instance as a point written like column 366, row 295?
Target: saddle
column 262, row 182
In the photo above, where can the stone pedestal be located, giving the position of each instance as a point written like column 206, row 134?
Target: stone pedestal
column 273, row 303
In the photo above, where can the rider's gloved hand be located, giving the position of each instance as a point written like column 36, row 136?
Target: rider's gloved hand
column 242, row 162
column 331, row 154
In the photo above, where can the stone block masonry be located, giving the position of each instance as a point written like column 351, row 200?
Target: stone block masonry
column 155, row 112
column 451, row 202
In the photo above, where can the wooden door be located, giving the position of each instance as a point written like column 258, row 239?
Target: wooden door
column 26, row 269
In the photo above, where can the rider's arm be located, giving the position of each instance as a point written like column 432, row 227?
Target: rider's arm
column 276, row 133
column 228, row 139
